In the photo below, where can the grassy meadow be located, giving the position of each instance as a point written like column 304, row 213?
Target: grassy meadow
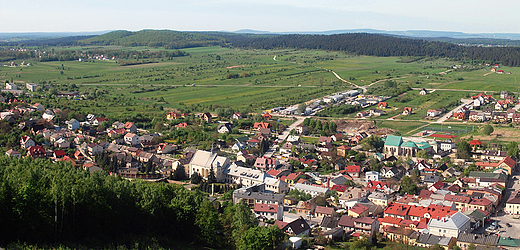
column 251, row 80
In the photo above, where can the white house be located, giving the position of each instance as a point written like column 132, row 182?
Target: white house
column 73, row 124
column 204, row 161
column 313, row 190
column 268, row 211
column 372, row 176
column 132, row 139
column 449, row 226
column 27, row 142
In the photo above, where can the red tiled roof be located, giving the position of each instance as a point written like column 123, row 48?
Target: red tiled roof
column 339, row 188
column 273, row 172
column 508, row 161
column 457, row 198
column 425, row 194
column 391, row 220
column 358, row 209
column 266, row 208
column 281, row 224
column 352, row 169
column 480, row 202
column 475, row 142
column 397, row 209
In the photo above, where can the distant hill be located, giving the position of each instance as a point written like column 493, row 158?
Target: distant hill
column 378, row 45
column 406, row 33
column 169, row 39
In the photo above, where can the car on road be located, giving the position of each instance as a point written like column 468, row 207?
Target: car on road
column 508, row 225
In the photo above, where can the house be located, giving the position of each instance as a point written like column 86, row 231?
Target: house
column 260, row 125
column 165, row 148
column 62, row 143
column 58, row 154
column 515, row 118
column 423, row 92
column 36, row 152
column 449, row 226
column 301, row 129
column 358, row 211
column 380, row 198
column 513, row 204
column 265, row 163
column 389, row 172
column 130, row 127
column 478, row 240
column 382, row 105
column 267, row 116
column 206, row 117
column 48, row 115
column 268, row 211
column 379, row 185
column 26, row 142
column 298, row 227
column 224, row 128
column 11, row 86
column 94, row 149
column 366, row 225
column 347, row 223
column 324, row 140
column 353, row 170
column 173, row 115
column 475, row 144
column 321, row 211
column 13, row 153
column 372, row 176
column 236, row 116
column 73, row 124
column 342, row 150
column 98, row 120
column 203, row 162
column 407, row 111
column 38, row 107
column 31, row 86
column 504, row 94
column 131, row 138
column 313, row 190
column 434, row 112
column 306, row 207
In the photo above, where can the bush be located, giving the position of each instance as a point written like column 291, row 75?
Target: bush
column 488, row 129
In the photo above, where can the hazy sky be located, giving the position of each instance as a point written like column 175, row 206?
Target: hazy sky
column 470, row 16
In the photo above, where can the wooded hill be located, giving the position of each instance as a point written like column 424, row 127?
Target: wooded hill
column 379, row 45
column 168, row 39
column 53, row 203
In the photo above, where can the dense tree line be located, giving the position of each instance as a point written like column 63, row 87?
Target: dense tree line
column 46, row 203
column 73, row 55
column 379, row 45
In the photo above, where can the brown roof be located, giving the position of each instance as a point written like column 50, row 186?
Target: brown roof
column 324, row 210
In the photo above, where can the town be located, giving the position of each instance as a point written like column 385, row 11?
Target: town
column 314, row 179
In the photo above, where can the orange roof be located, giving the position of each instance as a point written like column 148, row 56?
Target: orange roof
column 508, row 161
column 358, row 209
column 475, row 142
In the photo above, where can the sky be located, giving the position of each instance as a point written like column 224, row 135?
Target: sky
column 470, row 16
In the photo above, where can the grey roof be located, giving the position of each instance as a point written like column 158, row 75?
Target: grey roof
column 260, row 196
column 329, row 222
column 481, row 239
column 456, row 221
column 309, row 188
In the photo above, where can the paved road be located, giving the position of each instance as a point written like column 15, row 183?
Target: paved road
column 270, row 152
column 447, row 115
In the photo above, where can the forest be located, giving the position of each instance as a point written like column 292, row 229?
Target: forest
column 47, row 204
column 168, row 39
column 379, row 45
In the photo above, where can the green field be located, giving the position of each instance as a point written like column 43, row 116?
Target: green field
column 249, row 80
